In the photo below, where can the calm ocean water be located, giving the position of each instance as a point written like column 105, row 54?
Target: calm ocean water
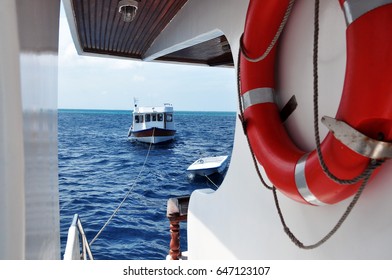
column 98, row 166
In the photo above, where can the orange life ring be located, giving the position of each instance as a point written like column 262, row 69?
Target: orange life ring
column 366, row 101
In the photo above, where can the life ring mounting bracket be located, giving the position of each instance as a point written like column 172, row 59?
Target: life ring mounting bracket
column 356, row 141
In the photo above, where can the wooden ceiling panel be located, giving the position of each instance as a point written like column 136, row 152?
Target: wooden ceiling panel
column 215, row 52
column 101, row 30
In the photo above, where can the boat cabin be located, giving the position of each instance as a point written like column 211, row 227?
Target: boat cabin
column 148, row 117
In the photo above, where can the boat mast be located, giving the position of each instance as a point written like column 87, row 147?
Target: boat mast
column 135, row 101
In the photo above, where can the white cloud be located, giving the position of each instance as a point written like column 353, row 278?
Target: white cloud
column 123, row 64
column 138, row 78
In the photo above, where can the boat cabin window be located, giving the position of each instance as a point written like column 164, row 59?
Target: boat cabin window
column 169, row 117
column 160, row 117
column 148, row 117
column 138, row 118
column 154, row 117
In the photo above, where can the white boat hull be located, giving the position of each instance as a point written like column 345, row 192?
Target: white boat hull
column 207, row 166
column 152, row 135
column 154, row 139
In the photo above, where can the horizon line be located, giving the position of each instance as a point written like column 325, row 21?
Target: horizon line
column 127, row 110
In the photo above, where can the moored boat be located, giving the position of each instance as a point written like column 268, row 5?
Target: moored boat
column 152, row 124
column 206, row 166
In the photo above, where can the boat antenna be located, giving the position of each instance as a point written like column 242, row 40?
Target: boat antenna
column 135, row 101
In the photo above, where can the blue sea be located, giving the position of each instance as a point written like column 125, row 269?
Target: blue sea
column 99, row 166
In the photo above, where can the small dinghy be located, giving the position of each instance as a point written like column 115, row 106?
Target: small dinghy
column 208, row 165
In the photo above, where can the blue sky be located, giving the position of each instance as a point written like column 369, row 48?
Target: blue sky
column 100, row 83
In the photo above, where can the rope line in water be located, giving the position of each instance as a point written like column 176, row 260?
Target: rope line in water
column 212, row 182
column 126, row 195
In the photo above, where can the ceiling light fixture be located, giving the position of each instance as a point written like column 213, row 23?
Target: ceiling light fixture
column 128, row 9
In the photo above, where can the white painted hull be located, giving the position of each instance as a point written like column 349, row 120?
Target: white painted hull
column 154, row 139
column 152, row 135
column 29, row 199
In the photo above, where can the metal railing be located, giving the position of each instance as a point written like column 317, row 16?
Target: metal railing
column 75, row 234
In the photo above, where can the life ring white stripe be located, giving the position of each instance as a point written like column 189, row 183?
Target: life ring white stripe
column 302, row 185
column 354, row 9
column 258, row 96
